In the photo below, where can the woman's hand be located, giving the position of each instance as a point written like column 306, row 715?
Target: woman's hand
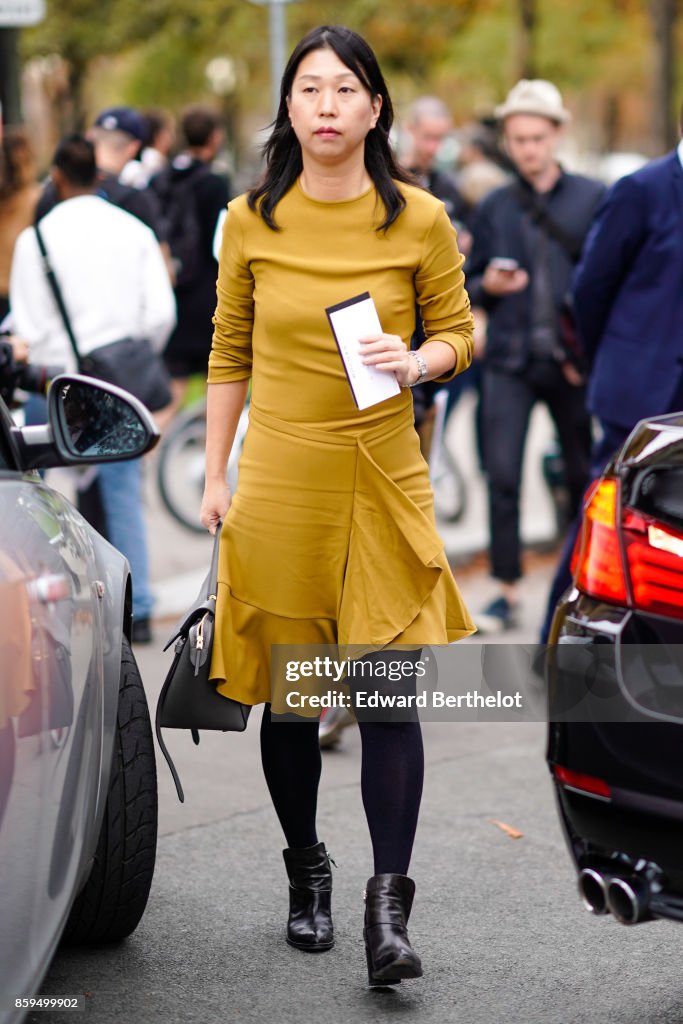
column 388, row 352
column 215, row 504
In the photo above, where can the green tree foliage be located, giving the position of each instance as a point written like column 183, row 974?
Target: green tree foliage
column 169, row 42
column 82, row 30
column 409, row 36
column 467, row 50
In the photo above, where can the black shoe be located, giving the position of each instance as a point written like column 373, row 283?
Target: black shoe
column 142, row 633
column 390, row 957
column 310, row 893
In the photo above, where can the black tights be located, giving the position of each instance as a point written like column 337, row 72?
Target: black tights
column 392, row 772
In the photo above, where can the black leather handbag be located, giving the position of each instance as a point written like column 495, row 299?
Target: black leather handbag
column 188, row 698
column 129, row 363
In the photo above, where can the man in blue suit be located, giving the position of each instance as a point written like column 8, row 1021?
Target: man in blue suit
column 628, row 299
column 628, row 294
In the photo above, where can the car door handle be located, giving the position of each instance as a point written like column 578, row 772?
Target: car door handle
column 50, row 588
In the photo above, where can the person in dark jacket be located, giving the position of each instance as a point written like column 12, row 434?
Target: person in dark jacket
column 628, row 304
column 192, row 199
column 429, row 124
column 527, row 239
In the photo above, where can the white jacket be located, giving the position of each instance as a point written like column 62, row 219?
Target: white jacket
column 112, row 276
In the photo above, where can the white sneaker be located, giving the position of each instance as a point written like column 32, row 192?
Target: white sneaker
column 333, row 721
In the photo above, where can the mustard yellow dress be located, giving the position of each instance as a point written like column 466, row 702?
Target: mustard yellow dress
column 331, row 536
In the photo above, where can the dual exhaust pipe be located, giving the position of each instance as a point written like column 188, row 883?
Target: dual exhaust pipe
column 626, row 897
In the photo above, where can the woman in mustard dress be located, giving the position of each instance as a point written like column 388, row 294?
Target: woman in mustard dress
column 330, row 538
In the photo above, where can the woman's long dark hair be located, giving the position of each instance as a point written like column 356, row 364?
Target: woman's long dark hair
column 283, row 152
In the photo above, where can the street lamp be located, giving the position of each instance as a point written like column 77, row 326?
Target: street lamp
column 221, row 74
column 14, row 15
column 278, row 45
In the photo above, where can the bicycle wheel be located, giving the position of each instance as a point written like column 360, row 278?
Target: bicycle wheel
column 448, row 484
column 182, row 464
column 180, row 469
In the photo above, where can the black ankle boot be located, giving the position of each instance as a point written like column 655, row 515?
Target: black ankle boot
column 310, row 892
column 388, row 900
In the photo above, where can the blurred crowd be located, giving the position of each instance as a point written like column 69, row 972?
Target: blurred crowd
column 132, row 213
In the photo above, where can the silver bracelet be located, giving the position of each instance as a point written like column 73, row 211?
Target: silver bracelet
column 422, row 367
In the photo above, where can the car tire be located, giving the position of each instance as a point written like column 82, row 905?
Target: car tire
column 113, row 900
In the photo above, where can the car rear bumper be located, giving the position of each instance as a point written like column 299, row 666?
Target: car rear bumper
column 634, row 751
column 623, row 834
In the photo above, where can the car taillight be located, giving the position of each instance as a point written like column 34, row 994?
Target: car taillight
column 599, row 570
column 626, row 557
column 576, row 549
column 654, row 555
column 584, row 783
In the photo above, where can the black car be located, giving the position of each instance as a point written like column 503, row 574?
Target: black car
column 615, row 683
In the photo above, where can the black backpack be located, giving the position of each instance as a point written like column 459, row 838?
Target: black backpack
column 182, row 227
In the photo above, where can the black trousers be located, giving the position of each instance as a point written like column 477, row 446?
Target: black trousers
column 392, row 770
column 507, row 403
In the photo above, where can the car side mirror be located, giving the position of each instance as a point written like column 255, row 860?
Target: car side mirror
column 89, row 421
column 96, row 422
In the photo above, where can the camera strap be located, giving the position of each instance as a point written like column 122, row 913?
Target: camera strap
column 539, row 216
column 57, row 292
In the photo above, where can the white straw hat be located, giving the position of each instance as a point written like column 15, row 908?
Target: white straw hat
column 534, row 96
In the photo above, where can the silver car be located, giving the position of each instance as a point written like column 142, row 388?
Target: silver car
column 78, row 791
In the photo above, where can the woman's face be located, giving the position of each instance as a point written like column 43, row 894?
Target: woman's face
column 330, row 109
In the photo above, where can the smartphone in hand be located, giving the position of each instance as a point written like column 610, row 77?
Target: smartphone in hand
column 504, row 264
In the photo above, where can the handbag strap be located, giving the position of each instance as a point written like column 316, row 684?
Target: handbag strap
column 213, row 570
column 157, row 728
column 57, row 292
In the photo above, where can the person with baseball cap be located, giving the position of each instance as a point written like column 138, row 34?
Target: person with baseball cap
column 118, row 134
column 528, row 237
column 129, row 124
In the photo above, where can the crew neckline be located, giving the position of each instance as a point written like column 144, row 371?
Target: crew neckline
column 333, row 202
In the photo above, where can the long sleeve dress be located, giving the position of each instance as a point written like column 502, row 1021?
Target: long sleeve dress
column 331, row 536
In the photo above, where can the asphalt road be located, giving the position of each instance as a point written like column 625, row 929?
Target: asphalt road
column 501, row 932
column 496, row 920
